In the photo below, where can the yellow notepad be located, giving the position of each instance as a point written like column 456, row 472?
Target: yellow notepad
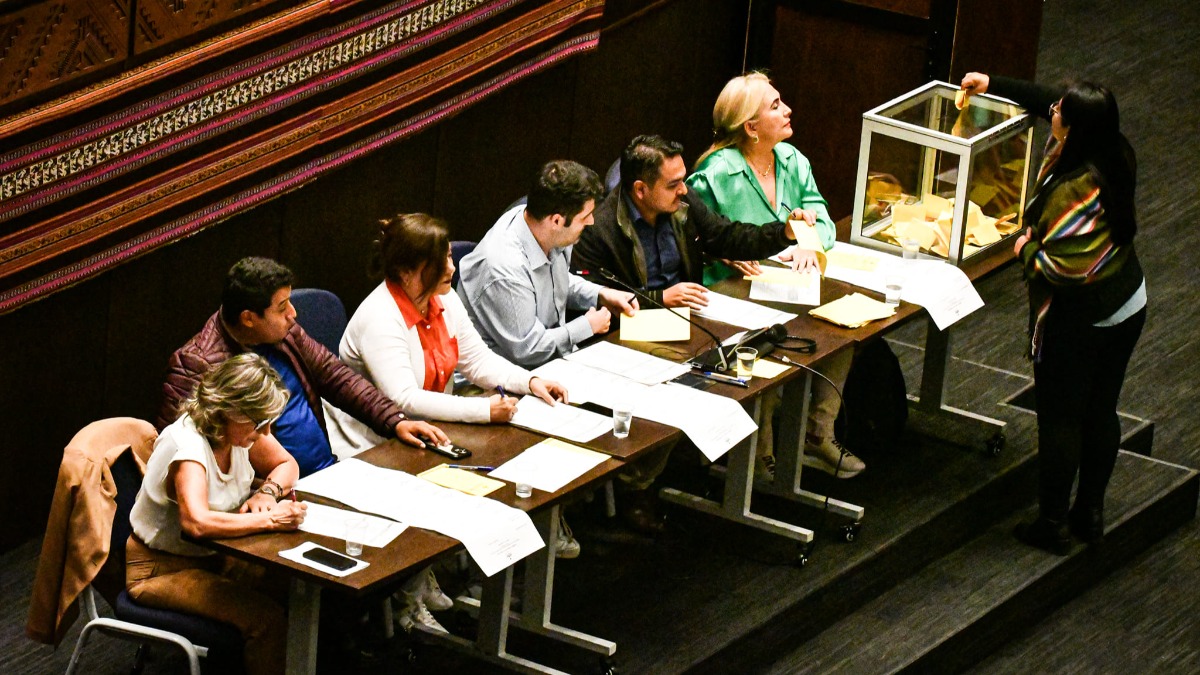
column 769, row 370
column 853, row 310
column 656, row 325
column 463, row 481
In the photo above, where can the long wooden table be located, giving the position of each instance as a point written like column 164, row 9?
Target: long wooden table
column 416, row 548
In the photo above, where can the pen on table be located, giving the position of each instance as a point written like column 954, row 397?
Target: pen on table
column 471, row 467
column 717, row 377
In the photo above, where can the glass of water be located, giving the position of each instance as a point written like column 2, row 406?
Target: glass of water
column 622, row 420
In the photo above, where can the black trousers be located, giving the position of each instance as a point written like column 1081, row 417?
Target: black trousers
column 1077, row 383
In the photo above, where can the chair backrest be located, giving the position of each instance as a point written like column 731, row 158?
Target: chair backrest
column 458, row 250
column 612, row 178
column 322, row 315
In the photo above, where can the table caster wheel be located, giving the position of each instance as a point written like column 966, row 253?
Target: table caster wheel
column 802, row 556
column 850, row 532
column 608, row 667
column 995, row 444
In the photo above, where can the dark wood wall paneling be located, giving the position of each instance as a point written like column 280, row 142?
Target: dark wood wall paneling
column 100, row 349
column 833, row 60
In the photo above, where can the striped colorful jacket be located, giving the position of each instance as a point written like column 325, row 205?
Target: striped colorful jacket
column 1071, row 262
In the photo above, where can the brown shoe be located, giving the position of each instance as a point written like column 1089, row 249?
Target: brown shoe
column 639, row 513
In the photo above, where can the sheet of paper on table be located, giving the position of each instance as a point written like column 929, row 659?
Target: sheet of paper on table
column 776, row 285
column 657, row 325
column 853, row 310
column 461, row 480
column 768, row 369
column 549, row 465
column 941, row 288
column 331, row 521
column 585, row 383
column 297, row 555
column 495, row 535
column 712, row 422
column 741, row 313
column 562, row 420
column 629, row 363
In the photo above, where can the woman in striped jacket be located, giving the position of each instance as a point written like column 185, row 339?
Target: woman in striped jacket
column 1087, row 299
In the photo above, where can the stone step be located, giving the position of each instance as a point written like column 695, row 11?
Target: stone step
column 968, row 603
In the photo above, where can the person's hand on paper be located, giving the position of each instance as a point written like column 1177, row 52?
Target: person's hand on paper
column 599, row 319
column 259, row 502
column 618, row 302
column 802, row 260
column 746, row 267
column 547, row 390
column 502, row 407
column 408, row 430
column 809, row 216
column 686, row 294
column 975, row 83
column 286, row 515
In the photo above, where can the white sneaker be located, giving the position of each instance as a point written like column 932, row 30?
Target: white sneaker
column 418, row 616
column 567, row 547
column 831, row 457
column 431, row 593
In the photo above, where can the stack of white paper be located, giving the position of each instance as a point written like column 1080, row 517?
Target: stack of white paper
column 496, row 535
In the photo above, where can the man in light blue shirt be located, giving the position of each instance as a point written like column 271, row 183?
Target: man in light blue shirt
column 516, row 285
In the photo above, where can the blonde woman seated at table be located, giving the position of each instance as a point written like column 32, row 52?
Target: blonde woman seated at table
column 750, row 174
column 198, row 481
column 408, row 337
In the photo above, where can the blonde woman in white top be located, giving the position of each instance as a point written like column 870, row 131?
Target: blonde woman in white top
column 198, row 482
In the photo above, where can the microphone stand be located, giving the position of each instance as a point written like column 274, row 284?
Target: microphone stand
column 723, row 366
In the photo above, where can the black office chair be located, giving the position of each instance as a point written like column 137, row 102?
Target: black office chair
column 459, row 250
column 196, row 636
column 322, row 315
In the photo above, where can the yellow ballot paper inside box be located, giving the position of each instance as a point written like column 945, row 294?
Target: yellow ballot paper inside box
column 657, row 325
column 854, row 310
column 463, row 481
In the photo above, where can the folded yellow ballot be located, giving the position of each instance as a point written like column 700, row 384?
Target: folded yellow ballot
column 853, row 261
column 853, row 310
column 657, row 325
column 463, row 481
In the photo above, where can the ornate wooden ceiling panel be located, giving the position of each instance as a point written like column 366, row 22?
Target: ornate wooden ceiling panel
column 77, row 201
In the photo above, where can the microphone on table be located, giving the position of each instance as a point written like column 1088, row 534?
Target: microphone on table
column 723, row 362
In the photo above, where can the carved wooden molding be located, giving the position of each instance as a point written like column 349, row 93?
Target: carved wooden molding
column 108, row 183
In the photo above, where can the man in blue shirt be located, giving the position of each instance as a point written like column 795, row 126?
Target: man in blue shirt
column 257, row 315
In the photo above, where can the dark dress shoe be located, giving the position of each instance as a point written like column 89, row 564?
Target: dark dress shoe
column 639, row 513
column 1087, row 524
column 1046, row 534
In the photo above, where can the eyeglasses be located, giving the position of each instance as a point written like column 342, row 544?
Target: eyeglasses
column 1055, row 107
column 258, row 426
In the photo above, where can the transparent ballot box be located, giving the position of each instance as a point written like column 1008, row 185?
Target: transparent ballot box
column 952, row 181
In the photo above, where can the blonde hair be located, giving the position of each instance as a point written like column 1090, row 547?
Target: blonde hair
column 739, row 102
column 244, row 384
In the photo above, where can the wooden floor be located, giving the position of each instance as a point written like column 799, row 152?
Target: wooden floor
column 1141, row 619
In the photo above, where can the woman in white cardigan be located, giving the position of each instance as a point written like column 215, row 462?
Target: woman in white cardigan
column 408, row 337
column 412, row 332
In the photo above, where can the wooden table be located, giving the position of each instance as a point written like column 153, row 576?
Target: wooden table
column 416, row 548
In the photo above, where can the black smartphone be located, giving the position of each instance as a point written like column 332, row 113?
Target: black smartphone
column 450, row 450
column 330, row 559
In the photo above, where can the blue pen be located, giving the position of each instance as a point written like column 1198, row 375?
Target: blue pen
column 501, row 390
column 469, row 467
